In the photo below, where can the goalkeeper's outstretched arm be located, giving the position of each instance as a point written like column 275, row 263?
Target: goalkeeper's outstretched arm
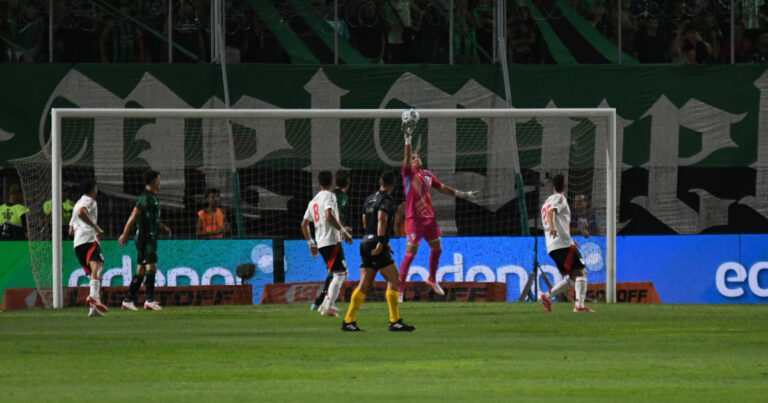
column 407, row 134
column 447, row 190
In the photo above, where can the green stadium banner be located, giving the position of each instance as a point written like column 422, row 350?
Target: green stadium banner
column 181, row 263
column 693, row 140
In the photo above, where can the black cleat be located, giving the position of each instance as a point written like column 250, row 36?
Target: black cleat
column 350, row 327
column 399, row 326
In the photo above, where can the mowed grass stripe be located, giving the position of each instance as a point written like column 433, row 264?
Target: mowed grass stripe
column 460, row 351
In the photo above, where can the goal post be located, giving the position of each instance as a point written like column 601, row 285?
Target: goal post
column 373, row 121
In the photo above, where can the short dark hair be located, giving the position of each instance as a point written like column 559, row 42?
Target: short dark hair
column 558, row 181
column 325, row 178
column 387, row 178
column 87, row 185
column 342, row 178
column 211, row 191
column 150, row 176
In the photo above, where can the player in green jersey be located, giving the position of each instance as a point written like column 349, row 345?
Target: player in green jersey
column 146, row 217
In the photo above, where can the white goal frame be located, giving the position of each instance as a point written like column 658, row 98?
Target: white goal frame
column 57, row 114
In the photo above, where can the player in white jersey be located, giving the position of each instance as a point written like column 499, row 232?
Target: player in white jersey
column 556, row 217
column 323, row 213
column 83, row 227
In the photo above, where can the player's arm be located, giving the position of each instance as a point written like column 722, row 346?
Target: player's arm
column 447, row 190
column 551, row 221
column 308, row 236
column 365, row 221
column 164, row 227
column 83, row 214
column 71, row 231
column 399, row 219
column 407, row 135
column 381, row 232
column 123, row 239
column 331, row 219
column 408, row 150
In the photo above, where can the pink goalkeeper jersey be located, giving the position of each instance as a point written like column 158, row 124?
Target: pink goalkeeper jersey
column 416, row 185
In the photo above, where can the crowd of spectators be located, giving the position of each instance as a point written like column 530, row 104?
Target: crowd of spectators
column 690, row 32
column 384, row 31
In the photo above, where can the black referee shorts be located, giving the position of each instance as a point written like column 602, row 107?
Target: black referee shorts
column 377, row 262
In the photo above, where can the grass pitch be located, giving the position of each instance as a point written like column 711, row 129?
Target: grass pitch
column 459, row 352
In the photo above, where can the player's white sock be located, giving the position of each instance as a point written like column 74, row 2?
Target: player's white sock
column 560, row 287
column 95, row 289
column 581, row 291
column 335, row 287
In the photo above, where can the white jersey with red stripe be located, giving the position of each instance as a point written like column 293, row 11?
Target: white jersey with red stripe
column 325, row 234
column 562, row 222
column 84, row 233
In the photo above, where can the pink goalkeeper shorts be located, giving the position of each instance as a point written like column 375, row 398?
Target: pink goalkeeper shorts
column 418, row 228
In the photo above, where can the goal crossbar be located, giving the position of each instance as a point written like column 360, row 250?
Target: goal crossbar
column 57, row 114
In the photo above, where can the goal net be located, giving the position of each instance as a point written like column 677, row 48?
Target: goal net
column 264, row 165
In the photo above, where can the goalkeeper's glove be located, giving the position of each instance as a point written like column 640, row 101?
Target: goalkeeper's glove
column 407, row 132
column 471, row 195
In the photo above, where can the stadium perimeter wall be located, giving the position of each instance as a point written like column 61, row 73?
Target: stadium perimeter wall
column 693, row 155
column 683, row 269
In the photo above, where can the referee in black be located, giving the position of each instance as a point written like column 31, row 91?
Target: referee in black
column 376, row 255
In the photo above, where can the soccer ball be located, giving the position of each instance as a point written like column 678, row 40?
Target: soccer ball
column 410, row 117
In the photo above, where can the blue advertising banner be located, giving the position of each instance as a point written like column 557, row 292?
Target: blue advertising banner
column 494, row 259
column 182, row 263
column 710, row 269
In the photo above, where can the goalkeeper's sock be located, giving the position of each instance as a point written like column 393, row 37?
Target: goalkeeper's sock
column 150, row 284
column 560, row 288
column 320, row 298
column 404, row 267
column 356, row 301
column 94, row 293
column 394, row 308
column 434, row 260
column 581, row 291
column 133, row 292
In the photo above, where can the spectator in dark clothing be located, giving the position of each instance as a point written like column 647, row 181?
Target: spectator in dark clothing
column 652, row 45
column 369, row 32
column 742, row 48
column 759, row 54
column 693, row 49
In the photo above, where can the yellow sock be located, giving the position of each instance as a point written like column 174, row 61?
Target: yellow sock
column 394, row 308
column 357, row 299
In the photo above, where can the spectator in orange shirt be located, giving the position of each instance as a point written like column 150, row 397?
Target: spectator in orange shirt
column 211, row 221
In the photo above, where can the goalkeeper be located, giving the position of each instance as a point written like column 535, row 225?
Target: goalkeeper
column 420, row 219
